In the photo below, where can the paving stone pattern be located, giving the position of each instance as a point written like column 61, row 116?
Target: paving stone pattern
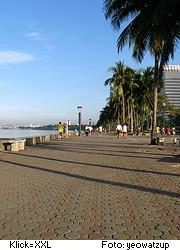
column 96, row 187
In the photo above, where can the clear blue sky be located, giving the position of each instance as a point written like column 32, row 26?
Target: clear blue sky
column 54, row 56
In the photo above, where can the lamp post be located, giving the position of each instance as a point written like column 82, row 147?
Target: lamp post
column 164, row 105
column 79, row 118
column 90, row 122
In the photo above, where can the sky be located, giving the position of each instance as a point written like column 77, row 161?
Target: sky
column 54, row 56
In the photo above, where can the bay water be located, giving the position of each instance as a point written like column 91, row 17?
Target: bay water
column 24, row 133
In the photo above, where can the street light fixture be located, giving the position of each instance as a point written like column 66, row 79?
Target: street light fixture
column 79, row 118
column 90, row 122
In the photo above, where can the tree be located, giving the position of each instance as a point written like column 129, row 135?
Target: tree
column 154, row 26
column 116, row 83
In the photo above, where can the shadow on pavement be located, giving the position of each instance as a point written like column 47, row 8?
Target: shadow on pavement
column 96, row 165
column 124, row 153
column 170, row 159
column 99, row 148
column 106, row 182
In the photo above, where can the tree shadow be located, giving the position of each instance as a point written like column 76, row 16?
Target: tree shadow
column 62, row 146
column 96, row 180
column 170, row 160
column 100, row 146
column 98, row 165
column 124, row 153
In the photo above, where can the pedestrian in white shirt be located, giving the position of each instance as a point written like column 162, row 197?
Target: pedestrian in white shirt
column 119, row 130
column 100, row 130
column 87, row 130
column 124, row 130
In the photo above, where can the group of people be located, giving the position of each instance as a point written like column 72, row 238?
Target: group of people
column 88, row 130
column 166, row 131
column 121, row 130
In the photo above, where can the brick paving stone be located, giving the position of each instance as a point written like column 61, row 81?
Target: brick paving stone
column 64, row 224
column 96, row 228
column 168, row 236
column 74, row 227
column 144, row 237
column 108, row 224
column 51, row 226
column 120, row 228
column 10, row 237
column 120, row 236
column 59, row 237
column 48, row 235
column 109, row 237
column 84, row 237
column 97, row 236
column 23, row 235
column 50, row 191
column 62, row 230
column 108, row 231
column 163, row 228
column 32, row 226
column 40, row 229
column 72, row 236
column 154, row 232
column 131, row 232
column 85, row 231
column 175, row 232
column 33, row 237
column 4, row 232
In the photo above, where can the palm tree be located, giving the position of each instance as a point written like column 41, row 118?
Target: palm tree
column 133, row 84
column 153, row 26
column 107, row 116
column 116, row 83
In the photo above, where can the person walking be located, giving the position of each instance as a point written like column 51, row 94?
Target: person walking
column 157, row 130
column 60, row 130
column 124, row 130
column 87, row 130
column 119, row 130
column 100, row 130
column 168, row 131
column 90, row 130
column 173, row 131
column 65, row 130
column 163, row 132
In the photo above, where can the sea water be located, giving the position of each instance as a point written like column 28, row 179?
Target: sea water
column 24, row 133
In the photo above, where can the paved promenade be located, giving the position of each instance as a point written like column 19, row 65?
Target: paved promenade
column 95, row 187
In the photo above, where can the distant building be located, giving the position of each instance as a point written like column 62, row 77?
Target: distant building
column 171, row 79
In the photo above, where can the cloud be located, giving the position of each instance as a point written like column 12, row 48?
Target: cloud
column 15, row 57
column 34, row 35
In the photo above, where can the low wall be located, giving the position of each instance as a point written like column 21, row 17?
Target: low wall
column 19, row 144
column 31, row 141
column 12, row 144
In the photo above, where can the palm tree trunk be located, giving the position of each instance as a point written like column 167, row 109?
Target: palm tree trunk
column 123, row 109
column 142, row 123
column 137, row 120
column 132, row 125
column 155, row 93
column 134, row 120
column 118, row 120
column 129, row 114
column 147, row 121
